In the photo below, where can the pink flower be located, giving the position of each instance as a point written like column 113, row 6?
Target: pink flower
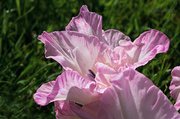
column 99, row 68
column 175, row 86
column 85, row 47
column 131, row 96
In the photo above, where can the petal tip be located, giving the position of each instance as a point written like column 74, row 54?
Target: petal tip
column 84, row 8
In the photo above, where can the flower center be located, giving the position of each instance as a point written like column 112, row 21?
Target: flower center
column 91, row 75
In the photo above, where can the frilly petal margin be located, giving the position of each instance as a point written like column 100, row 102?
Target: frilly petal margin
column 134, row 96
column 175, row 86
column 44, row 91
column 72, row 49
column 68, row 86
column 145, row 47
column 90, row 23
column 86, row 22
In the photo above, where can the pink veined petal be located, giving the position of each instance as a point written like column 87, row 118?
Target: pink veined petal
column 113, row 37
column 68, row 86
column 72, row 50
column 175, row 86
column 145, row 47
column 134, row 96
column 86, row 22
column 44, row 91
column 153, row 39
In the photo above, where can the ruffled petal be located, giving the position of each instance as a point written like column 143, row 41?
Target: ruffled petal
column 86, row 22
column 116, row 58
column 44, row 91
column 145, row 47
column 134, row 96
column 72, row 50
column 68, row 86
column 175, row 86
column 113, row 37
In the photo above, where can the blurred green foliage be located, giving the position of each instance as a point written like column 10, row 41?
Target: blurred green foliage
column 23, row 67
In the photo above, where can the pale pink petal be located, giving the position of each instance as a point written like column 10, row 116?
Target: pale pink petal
column 92, row 108
column 175, row 86
column 134, row 96
column 145, row 47
column 72, row 50
column 44, row 91
column 116, row 58
column 69, row 110
column 63, row 110
column 131, row 53
column 105, row 56
column 68, row 86
column 113, row 37
column 87, row 22
column 81, row 112
column 104, row 73
column 153, row 39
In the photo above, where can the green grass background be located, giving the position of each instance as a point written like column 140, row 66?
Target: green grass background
column 23, row 67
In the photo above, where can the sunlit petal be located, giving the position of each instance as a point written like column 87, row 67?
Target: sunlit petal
column 68, row 86
column 145, row 47
column 72, row 50
column 86, row 22
column 104, row 73
column 134, row 96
